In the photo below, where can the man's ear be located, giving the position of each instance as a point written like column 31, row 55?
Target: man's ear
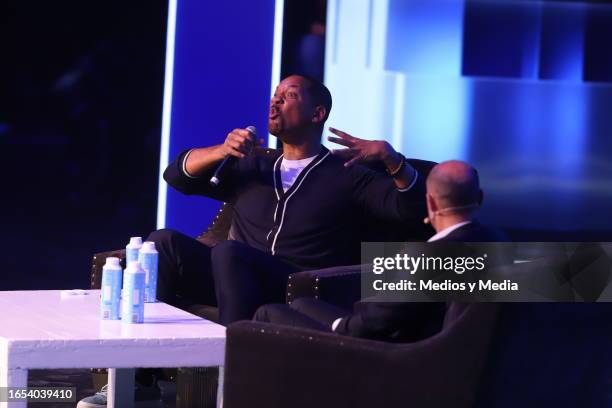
column 319, row 114
column 432, row 207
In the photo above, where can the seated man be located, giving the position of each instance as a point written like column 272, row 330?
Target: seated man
column 293, row 209
column 453, row 195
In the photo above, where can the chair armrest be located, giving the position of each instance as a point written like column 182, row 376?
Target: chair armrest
column 98, row 262
column 216, row 232
column 340, row 285
column 219, row 228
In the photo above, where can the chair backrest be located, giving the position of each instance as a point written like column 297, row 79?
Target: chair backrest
column 218, row 229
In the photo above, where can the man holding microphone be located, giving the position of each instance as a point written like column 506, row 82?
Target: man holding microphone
column 293, row 209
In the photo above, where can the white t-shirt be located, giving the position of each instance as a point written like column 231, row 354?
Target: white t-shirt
column 291, row 169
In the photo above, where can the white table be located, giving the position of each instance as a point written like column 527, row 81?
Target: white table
column 39, row 329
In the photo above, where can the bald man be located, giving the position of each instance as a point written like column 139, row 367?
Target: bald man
column 453, row 196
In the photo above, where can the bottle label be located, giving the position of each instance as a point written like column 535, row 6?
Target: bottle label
column 107, row 293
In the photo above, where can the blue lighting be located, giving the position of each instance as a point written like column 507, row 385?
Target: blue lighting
column 497, row 83
column 162, row 189
column 219, row 67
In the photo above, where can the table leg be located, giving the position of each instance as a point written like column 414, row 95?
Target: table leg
column 220, row 387
column 120, row 388
column 13, row 377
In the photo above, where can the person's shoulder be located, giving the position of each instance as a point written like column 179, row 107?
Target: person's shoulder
column 334, row 160
column 327, row 160
column 476, row 232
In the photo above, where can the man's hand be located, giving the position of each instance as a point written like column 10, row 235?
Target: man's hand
column 360, row 150
column 239, row 143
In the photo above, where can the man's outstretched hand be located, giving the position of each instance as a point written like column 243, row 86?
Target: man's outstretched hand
column 361, row 150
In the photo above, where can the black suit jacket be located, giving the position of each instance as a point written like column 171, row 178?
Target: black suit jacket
column 475, row 232
column 408, row 321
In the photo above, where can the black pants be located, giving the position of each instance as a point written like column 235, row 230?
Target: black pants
column 233, row 276
column 308, row 313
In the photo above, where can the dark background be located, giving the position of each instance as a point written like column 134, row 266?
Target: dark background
column 80, row 113
column 81, row 88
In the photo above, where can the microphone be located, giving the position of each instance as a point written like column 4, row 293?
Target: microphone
column 215, row 180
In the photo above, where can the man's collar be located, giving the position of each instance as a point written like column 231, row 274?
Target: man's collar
column 446, row 231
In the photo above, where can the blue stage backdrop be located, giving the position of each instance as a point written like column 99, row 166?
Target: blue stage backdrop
column 521, row 89
column 219, row 69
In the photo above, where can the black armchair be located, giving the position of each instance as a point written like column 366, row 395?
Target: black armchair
column 502, row 355
column 272, row 366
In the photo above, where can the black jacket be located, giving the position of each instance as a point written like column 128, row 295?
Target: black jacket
column 410, row 321
column 316, row 223
column 475, row 232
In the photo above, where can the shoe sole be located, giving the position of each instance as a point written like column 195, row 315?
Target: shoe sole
column 137, row 404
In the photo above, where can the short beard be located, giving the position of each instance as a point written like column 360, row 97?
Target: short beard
column 274, row 129
column 290, row 135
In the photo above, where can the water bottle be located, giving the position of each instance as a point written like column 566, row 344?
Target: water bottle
column 132, row 302
column 148, row 258
column 111, row 289
column 131, row 250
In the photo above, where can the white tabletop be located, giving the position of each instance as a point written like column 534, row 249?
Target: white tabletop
column 40, row 329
